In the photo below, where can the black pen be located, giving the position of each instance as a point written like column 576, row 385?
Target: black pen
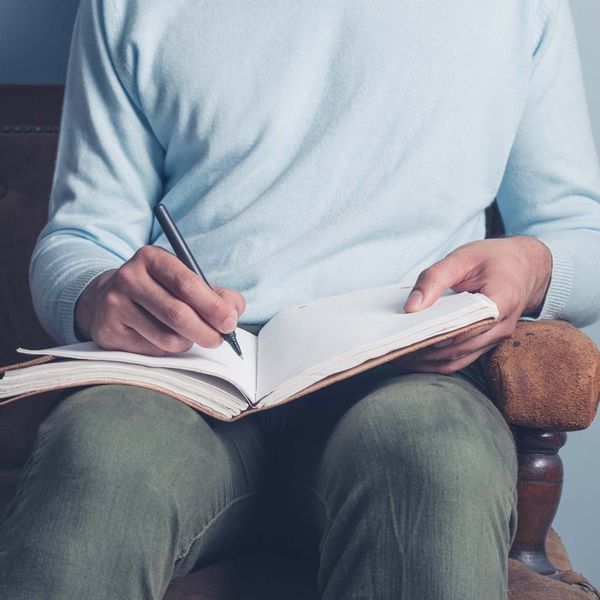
column 185, row 255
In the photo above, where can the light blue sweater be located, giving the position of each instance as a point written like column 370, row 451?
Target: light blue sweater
column 313, row 148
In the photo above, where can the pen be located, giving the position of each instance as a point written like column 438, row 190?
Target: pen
column 184, row 254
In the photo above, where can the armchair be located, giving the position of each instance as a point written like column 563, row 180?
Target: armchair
column 545, row 380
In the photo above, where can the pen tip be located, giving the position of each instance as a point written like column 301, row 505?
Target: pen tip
column 232, row 340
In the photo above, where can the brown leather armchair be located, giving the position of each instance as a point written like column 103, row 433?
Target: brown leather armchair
column 545, row 380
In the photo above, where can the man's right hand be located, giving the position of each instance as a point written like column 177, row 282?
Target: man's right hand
column 154, row 304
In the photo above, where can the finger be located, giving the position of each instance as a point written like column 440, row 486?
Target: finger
column 126, row 339
column 493, row 336
column 190, row 288
column 436, row 279
column 149, row 327
column 175, row 314
column 463, row 337
column 232, row 297
column 444, row 367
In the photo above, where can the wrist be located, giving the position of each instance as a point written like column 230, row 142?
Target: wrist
column 85, row 305
column 541, row 259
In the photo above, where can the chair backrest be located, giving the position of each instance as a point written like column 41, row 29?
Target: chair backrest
column 29, row 119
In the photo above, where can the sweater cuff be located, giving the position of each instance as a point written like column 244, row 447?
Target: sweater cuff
column 561, row 283
column 70, row 295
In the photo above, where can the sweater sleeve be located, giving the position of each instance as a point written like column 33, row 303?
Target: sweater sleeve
column 106, row 180
column 551, row 186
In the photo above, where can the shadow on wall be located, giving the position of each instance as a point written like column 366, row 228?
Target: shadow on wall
column 34, row 40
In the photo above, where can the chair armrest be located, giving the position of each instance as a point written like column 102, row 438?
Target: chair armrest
column 546, row 376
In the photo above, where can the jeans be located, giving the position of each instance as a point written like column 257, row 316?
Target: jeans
column 397, row 486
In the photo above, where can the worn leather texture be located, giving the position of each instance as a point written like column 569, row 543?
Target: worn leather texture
column 546, row 376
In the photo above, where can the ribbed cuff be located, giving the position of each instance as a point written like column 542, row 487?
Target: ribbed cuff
column 70, row 295
column 561, row 284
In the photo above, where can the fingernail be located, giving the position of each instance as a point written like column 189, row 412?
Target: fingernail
column 444, row 344
column 414, row 299
column 230, row 322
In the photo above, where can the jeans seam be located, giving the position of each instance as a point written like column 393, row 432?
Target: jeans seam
column 185, row 552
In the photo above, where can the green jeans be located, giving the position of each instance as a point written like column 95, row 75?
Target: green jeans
column 397, row 486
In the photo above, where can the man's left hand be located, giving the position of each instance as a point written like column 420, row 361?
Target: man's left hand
column 514, row 272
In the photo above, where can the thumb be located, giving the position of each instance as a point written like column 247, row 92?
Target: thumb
column 430, row 284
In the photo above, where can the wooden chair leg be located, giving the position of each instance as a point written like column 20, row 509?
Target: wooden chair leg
column 539, row 489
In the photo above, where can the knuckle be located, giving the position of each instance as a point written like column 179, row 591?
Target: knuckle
column 448, row 368
column 432, row 275
column 124, row 278
column 185, row 283
column 424, row 275
column 175, row 314
column 236, row 300
column 172, row 342
column 215, row 306
column 144, row 253
column 112, row 300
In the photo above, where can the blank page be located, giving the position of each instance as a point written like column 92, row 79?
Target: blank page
column 304, row 344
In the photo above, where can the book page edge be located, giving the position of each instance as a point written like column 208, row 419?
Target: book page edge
column 55, row 388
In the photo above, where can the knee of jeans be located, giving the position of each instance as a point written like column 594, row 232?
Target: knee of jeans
column 431, row 432
column 114, row 434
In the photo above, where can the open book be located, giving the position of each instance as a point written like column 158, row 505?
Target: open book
column 300, row 350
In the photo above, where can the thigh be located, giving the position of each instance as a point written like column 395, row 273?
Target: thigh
column 137, row 468
column 437, row 433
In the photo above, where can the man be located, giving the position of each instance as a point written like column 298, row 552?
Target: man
column 304, row 149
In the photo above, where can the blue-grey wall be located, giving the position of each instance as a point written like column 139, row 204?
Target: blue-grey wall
column 578, row 519
column 34, row 41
